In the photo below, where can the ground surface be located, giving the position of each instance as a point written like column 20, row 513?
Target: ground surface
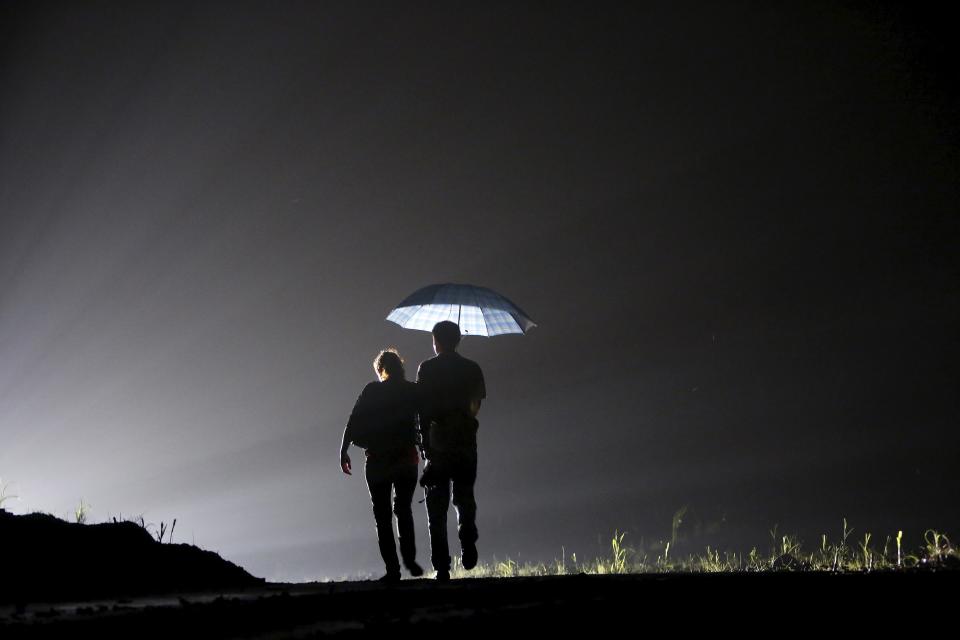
column 774, row 602
column 61, row 579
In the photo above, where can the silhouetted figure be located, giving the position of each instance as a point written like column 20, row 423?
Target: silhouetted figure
column 383, row 422
column 451, row 388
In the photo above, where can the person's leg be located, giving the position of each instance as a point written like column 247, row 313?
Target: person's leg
column 404, row 486
column 465, row 503
column 438, row 501
column 379, row 488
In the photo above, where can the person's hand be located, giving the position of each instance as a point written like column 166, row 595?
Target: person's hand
column 427, row 478
column 345, row 463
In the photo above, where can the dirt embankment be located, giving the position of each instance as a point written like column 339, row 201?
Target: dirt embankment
column 48, row 559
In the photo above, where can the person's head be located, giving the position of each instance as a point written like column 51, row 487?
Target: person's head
column 389, row 364
column 446, row 336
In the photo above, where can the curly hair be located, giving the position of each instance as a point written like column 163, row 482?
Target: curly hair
column 389, row 360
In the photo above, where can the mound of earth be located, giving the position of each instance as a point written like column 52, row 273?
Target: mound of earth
column 47, row 559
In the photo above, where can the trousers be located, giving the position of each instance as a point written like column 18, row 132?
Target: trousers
column 460, row 472
column 388, row 475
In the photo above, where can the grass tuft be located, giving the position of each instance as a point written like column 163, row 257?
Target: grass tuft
column 81, row 512
column 3, row 493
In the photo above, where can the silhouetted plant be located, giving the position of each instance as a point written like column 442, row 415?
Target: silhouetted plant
column 3, row 493
column 163, row 529
column 80, row 513
column 149, row 527
column 867, row 553
column 937, row 545
column 899, row 556
column 619, row 561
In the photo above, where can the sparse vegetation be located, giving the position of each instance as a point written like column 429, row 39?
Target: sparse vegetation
column 149, row 527
column 786, row 554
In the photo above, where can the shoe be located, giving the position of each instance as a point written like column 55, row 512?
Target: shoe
column 443, row 575
column 391, row 577
column 415, row 569
column 469, row 557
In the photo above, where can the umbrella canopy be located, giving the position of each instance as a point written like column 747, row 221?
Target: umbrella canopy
column 479, row 311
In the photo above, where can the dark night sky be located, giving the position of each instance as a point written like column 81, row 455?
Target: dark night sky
column 734, row 223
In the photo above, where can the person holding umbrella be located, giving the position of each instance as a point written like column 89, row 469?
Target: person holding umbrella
column 451, row 389
column 383, row 422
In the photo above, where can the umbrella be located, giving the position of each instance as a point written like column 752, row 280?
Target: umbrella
column 479, row 311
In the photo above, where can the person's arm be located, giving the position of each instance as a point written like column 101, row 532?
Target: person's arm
column 345, row 465
column 480, row 392
column 345, row 443
column 423, row 419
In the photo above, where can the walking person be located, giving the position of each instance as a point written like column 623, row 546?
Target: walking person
column 383, row 422
column 451, row 389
